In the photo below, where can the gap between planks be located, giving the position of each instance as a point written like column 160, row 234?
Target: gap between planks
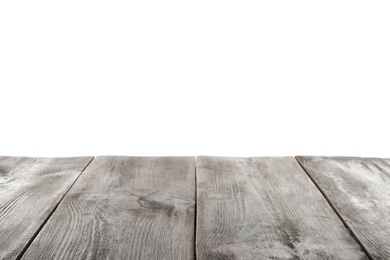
column 50, row 214
column 335, row 210
column 196, row 209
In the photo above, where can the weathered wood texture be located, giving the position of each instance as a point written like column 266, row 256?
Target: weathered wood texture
column 359, row 190
column 265, row 208
column 30, row 189
column 124, row 208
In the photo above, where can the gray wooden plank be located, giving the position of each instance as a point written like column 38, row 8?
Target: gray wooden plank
column 265, row 208
column 30, row 189
column 124, row 208
column 359, row 190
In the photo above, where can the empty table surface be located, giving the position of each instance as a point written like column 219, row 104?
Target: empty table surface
column 119, row 207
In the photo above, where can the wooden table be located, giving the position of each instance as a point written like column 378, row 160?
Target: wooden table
column 194, row 208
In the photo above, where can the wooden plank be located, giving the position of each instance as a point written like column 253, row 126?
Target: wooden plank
column 30, row 189
column 359, row 190
column 124, row 208
column 265, row 208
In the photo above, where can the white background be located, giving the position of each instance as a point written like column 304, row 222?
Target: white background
column 232, row 78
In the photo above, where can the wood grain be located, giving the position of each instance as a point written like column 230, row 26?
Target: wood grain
column 124, row 208
column 359, row 190
column 265, row 208
column 30, row 189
